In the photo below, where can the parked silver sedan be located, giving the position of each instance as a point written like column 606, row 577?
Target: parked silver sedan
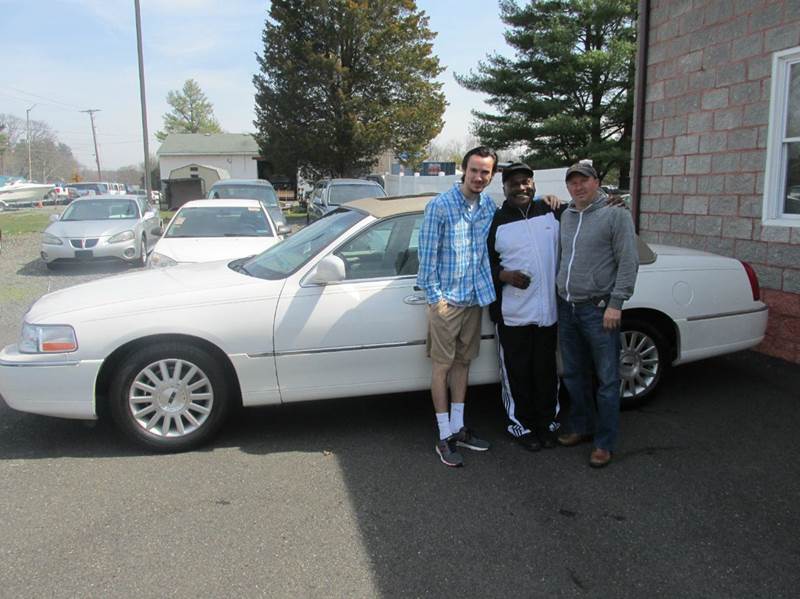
column 110, row 227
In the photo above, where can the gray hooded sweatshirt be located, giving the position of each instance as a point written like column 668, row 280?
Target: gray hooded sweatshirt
column 599, row 260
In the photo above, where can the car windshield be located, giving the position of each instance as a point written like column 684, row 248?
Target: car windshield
column 262, row 193
column 283, row 259
column 98, row 188
column 340, row 194
column 219, row 221
column 101, row 210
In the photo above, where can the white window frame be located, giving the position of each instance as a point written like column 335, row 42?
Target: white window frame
column 775, row 173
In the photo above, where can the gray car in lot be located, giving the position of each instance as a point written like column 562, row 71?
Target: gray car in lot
column 329, row 194
column 110, row 227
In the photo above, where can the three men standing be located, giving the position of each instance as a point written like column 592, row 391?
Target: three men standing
column 597, row 273
column 454, row 273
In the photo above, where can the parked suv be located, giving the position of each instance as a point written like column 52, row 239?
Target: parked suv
column 328, row 194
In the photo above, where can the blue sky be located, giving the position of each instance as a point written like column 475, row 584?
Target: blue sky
column 70, row 55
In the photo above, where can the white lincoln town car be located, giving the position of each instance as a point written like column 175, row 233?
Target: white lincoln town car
column 167, row 352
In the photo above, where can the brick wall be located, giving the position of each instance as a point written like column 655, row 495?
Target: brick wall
column 704, row 143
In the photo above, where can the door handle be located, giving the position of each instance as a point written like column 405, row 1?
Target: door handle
column 415, row 299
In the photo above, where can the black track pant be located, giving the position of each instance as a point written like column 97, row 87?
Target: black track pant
column 528, row 377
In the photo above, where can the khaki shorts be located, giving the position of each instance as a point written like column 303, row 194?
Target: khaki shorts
column 454, row 333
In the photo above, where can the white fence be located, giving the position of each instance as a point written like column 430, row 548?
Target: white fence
column 550, row 181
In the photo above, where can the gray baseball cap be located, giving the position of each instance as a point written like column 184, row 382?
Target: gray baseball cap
column 587, row 170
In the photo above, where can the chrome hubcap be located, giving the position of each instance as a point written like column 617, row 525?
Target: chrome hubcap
column 638, row 363
column 170, row 398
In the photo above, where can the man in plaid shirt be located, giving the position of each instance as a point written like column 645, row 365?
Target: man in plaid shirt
column 454, row 272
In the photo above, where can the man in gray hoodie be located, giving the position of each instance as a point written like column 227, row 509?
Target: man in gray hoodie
column 597, row 273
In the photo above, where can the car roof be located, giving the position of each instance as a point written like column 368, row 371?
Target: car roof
column 107, row 196
column 391, row 206
column 218, row 203
column 351, row 182
column 254, row 182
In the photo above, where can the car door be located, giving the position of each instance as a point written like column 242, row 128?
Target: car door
column 150, row 220
column 365, row 334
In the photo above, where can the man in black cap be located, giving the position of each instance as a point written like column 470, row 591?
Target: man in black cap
column 523, row 253
column 597, row 273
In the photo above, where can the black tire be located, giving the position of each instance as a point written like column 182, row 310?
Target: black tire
column 172, row 417
column 644, row 358
column 141, row 262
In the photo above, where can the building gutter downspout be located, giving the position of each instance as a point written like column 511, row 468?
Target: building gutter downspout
column 640, row 93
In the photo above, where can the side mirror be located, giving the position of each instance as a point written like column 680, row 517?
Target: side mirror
column 54, row 217
column 156, row 231
column 329, row 270
column 284, row 229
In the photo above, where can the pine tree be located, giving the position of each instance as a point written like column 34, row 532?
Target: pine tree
column 191, row 112
column 341, row 81
column 567, row 94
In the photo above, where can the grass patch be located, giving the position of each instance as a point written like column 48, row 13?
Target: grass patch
column 24, row 222
column 295, row 213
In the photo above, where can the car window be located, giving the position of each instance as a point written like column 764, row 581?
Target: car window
column 387, row 249
column 283, row 259
column 223, row 221
column 339, row 194
column 245, row 192
column 101, row 210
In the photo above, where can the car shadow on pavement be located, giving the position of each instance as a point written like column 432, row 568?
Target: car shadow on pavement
column 37, row 268
column 693, row 490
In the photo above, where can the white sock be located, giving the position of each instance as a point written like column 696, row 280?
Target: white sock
column 456, row 417
column 443, row 420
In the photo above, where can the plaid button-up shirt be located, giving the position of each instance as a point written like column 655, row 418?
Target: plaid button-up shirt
column 453, row 256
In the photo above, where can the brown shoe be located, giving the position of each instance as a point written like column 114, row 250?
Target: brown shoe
column 573, row 439
column 599, row 458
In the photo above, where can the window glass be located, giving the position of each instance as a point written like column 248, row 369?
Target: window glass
column 339, row 194
column 792, row 203
column 283, row 259
column 228, row 221
column 101, row 210
column 245, row 192
column 793, row 108
column 383, row 250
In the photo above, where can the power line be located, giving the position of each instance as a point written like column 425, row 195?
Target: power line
column 22, row 91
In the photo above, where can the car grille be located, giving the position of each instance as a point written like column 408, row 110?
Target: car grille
column 83, row 243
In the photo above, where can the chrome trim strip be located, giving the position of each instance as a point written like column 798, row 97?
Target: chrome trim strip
column 326, row 350
column 724, row 314
column 37, row 364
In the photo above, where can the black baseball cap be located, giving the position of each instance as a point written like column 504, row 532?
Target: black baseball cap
column 516, row 167
column 587, row 170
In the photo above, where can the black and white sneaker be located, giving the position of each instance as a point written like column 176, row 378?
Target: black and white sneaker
column 466, row 438
column 446, row 450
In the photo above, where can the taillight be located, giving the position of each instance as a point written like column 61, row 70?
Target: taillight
column 753, row 278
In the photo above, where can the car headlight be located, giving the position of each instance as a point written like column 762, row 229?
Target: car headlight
column 157, row 260
column 120, row 237
column 47, row 339
column 49, row 239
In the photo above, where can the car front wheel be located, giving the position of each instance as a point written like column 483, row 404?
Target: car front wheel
column 643, row 360
column 170, row 396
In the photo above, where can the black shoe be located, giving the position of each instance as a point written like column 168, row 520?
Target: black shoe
column 548, row 440
column 529, row 441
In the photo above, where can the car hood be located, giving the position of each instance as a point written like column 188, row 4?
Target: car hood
column 153, row 290
column 90, row 228
column 207, row 249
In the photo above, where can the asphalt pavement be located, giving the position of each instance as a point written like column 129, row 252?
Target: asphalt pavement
column 346, row 498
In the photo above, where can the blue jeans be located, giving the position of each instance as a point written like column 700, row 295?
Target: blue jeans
column 584, row 342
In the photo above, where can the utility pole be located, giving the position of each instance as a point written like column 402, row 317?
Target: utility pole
column 91, row 112
column 144, row 105
column 28, row 135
